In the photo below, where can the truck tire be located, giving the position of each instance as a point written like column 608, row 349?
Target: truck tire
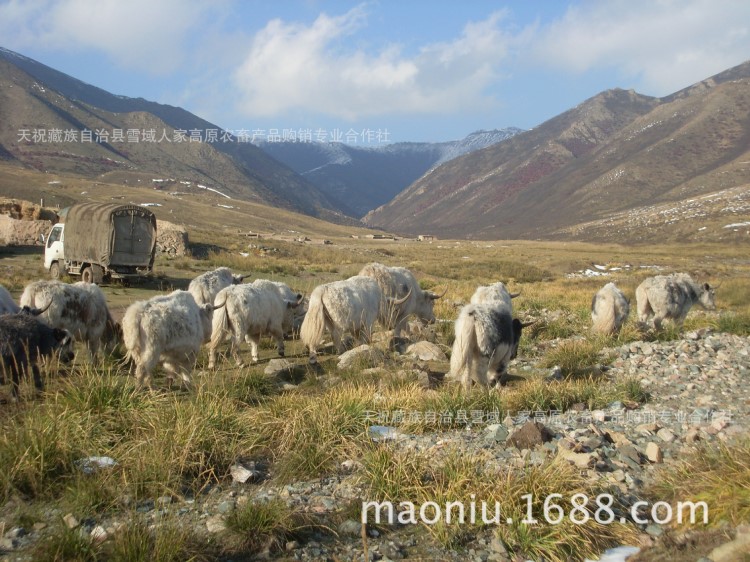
column 98, row 274
column 54, row 271
column 87, row 274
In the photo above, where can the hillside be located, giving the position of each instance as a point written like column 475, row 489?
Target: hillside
column 34, row 97
column 365, row 177
column 198, row 210
column 611, row 154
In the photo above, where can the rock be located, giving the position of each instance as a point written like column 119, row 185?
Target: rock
column 384, row 433
column 497, row 433
column 277, row 366
column 164, row 501
column 654, row 530
column 692, row 435
column 581, row 460
column 653, row 453
column 426, row 351
column 242, row 472
column 98, row 534
column 291, row 545
column 350, row 528
column 555, row 374
column 363, row 356
column 530, row 435
column 226, row 507
column 7, row 544
column 630, row 456
column 732, row 551
column 216, row 524
column 71, row 521
column 171, row 239
column 666, row 435
column 351, row 465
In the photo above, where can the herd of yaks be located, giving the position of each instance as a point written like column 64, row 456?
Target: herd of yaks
column 218, row 306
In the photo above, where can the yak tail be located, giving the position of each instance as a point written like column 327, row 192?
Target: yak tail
column 603, row 315
column 133, row 333
column 314, row 325
column 28, row 297
column 464, row 344
column 220, row 321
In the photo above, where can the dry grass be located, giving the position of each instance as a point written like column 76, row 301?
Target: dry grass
column 718, row 476
column 169, row 442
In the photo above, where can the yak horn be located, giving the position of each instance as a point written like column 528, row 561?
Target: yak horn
column 38, row 311
column 514, row 295
column 402, row 300
column 527, row 324
column 435, row 296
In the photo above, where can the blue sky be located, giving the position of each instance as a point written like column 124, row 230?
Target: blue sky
column 418, row 70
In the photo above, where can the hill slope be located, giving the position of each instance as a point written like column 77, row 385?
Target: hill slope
column 614, row 152
column 34, row 97
column 369, row 176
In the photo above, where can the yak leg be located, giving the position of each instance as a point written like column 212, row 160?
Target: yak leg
column 254, row 342
column 481, row 368
column 337, row 343
column 278, row 333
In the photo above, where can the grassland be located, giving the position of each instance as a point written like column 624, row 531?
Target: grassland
column 181, row 443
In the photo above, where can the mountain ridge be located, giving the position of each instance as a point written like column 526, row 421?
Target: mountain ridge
column 254, row 175
column 365, row 177
column 615, row 151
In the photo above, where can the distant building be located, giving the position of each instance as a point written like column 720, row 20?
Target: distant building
column 426, row 238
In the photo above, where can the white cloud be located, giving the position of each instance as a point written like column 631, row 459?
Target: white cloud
column 146, row 35
column 662, row 46
column 293, row 66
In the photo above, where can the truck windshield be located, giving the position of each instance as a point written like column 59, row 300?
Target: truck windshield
column 54, row 236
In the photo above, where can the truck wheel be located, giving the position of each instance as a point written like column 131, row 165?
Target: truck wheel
column 54, row 271
column 87, row 275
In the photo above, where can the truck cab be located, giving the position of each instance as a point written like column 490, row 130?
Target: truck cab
column 54, row 255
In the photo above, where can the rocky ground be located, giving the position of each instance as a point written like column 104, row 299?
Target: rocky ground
column 698, row 394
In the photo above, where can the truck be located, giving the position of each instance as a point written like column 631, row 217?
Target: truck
column 102, row 241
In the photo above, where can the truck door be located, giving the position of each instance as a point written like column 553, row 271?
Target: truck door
column 53, row 250
column 133, row 239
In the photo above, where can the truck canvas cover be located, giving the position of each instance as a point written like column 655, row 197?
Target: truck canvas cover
column 110, row 234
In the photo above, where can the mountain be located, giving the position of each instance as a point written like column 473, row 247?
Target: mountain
column 37, row 98
column 362, row 178
column 614, row 153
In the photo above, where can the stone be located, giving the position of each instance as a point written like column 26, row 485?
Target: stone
column 654, row 530
column 654, row 453
column 693, row 435
column 363, row 356
column 216, row 524
column 71, row 521
column 666, row 435
column 98, row 534
column 581, row 460
column 226, row 507
column 630, row 456
column 16, row 533
column 732, row 551
column 242, row 472
column 277, row 366
column 530, row 435
column 350, row 528
column 497, row 433
column 164, row 501
column 426, row 351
